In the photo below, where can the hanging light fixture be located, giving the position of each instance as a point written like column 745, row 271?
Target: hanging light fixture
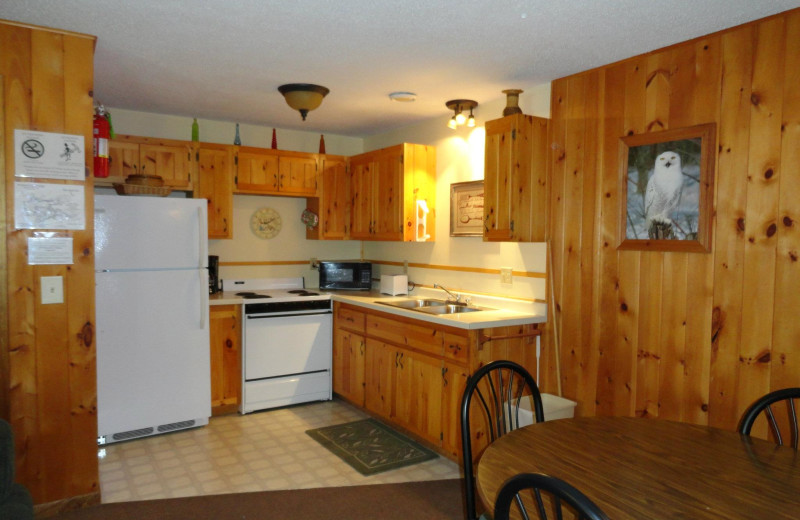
column 303, row 97
column 458, row 106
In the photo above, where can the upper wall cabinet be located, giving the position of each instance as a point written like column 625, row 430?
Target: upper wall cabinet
column 385, row 186
column 166, row 158
column 515, row 189
column 333, row 203
column 215, row 184
column 262, row 171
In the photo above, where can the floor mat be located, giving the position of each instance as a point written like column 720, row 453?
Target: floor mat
column 370, row 447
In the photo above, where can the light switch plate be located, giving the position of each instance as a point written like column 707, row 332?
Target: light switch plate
column 505, row 275
column 52, row 289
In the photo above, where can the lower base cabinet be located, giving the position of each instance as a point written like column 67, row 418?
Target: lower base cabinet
column 226, row 361
column 412, row 373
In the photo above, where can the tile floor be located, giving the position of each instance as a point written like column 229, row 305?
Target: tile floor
column 236, row 453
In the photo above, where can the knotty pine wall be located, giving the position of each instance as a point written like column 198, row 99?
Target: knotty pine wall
column 47, row 352
column 682, row 336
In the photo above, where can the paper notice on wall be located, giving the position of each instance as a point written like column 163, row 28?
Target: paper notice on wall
column 50, row 251
column 49, row 206
column 48, row 155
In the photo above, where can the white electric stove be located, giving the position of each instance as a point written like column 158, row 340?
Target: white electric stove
column 286, row 347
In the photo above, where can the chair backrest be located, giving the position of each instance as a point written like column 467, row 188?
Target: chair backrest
column 546, row 494
column 787, row 397
column 494, row 401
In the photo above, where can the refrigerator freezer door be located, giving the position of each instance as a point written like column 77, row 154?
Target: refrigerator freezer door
column 153, row 365
column 149, row 233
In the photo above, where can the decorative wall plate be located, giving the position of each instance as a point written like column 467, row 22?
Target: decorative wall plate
column 265, row 223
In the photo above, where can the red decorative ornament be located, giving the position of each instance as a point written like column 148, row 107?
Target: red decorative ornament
column 274, row 140
column 321, row 143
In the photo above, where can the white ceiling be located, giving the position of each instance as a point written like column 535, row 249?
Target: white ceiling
column 224, row 59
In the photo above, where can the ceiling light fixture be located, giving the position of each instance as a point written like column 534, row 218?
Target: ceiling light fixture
column 458, row 106
column 303, row 97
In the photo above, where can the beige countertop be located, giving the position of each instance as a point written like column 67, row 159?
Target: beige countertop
column 498, row 312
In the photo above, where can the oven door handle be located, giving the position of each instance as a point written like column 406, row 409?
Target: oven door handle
column 285, row 315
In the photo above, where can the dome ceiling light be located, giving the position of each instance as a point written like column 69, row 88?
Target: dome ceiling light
column 303, row 97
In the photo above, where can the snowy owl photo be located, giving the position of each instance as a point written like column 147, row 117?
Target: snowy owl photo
column 663, row 190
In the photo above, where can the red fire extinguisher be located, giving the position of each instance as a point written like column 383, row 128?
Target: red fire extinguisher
column 102, row 131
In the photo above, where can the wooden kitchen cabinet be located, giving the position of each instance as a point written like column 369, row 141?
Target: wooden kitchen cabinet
column 263, row 171
column 418, row 394
column 226, row 375
column 454, row 381
column 333, row 203
column 385, row 186
column 380, row 360
column 215, row 184
column 514, row 186
column 349, row 353
column 166, row 158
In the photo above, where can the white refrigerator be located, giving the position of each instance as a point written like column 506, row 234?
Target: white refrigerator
column 153, row 365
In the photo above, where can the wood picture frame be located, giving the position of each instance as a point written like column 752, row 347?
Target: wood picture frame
column 666, row 190
column 466, row 209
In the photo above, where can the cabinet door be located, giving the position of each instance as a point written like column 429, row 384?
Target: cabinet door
column 334, row 199
column 361, row 195
column 499, row 170
column 379, row 387
column 454, row 381
column 297, row 175
column 172, row 163
column 226, row 376
column 123, row 159
column 418, row 394
column 387, row 192
column 215, row 183
column 349, row 352
column 256, row 171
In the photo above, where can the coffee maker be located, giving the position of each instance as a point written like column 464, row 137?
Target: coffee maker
column 213, row 274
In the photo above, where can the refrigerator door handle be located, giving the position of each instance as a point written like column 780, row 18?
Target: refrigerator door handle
column 204, row 293
column 200, row 239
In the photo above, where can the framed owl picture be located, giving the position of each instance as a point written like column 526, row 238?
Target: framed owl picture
column 666, row 189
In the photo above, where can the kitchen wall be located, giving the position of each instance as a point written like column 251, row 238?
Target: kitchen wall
column 246, row 255
column 460, row 263
column 694, row 337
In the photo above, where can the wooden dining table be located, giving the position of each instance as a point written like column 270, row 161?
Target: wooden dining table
column 651, row 469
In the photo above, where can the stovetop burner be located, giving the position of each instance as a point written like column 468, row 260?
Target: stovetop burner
column 302, row 292
column 251, row 295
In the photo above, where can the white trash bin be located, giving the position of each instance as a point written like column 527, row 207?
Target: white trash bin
column 555, row 407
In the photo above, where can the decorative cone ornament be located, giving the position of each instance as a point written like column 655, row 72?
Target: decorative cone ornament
column 321, row 143
column 274, row 140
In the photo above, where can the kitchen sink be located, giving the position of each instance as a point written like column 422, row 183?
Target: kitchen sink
column 415, row 303
column 431, row 306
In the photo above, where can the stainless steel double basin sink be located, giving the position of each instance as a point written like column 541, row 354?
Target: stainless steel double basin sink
column 431, row 306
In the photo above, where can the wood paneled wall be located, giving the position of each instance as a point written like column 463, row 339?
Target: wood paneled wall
column 683, row 336
column 48, row 351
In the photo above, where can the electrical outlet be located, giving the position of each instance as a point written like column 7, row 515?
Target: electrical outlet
column 505, row 275
column 313, row 263
column 405, row 266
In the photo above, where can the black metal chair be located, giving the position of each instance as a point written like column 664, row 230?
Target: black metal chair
column 765, row 404
column 501, row 388
column 542, row 486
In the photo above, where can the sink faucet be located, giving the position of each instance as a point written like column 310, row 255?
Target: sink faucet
column 456, row 297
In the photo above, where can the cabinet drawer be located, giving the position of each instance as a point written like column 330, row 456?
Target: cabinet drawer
column 455, row 347
column 420, row 337
column 349, row 318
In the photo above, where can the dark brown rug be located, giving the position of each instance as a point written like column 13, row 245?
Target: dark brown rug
column 437, row 499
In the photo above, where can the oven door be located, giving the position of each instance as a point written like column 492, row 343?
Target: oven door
column 286, row 345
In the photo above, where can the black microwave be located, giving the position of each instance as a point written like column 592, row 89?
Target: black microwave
column 349, row 275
